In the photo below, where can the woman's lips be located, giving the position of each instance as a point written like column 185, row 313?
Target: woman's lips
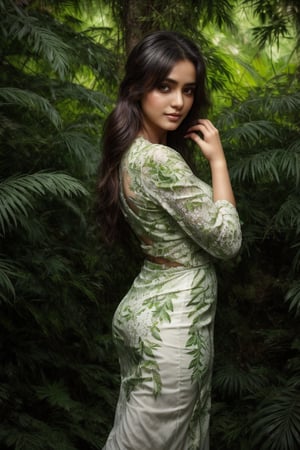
column 173, row 117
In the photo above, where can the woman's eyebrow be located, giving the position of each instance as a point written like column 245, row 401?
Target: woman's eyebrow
column 170, row 80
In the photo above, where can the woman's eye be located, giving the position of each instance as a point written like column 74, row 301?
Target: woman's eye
column 164, row 88
column 189, row 91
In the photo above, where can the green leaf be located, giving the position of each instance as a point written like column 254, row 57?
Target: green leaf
column 18, row 193
column 56, row 394
column 7, row 269
column 41, row 40
column 31, row 101
column 293, row 298
column 276, row 425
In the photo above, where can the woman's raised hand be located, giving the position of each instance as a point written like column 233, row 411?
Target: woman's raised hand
column 206, row 136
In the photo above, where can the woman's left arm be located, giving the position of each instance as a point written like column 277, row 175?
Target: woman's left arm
column 211, row 148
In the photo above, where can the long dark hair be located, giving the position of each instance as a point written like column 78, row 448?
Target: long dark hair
column 148, row 64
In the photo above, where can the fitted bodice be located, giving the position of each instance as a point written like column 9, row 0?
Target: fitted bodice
column 171, row 210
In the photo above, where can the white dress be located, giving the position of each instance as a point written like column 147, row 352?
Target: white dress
column 163, row 328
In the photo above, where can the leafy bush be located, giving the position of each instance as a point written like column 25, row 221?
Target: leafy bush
column 58, row 376
column 257, row 370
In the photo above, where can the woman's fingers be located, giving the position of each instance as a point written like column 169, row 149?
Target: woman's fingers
column 206, row 136
column 203, row 125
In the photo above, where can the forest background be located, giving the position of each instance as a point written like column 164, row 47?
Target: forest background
column 61, row 62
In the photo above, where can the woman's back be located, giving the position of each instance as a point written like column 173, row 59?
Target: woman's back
column 172, row 211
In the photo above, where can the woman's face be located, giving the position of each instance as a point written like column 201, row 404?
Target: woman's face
column 167, row 105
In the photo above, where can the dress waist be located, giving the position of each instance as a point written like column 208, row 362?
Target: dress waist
column 163, row 261
column 166, row 259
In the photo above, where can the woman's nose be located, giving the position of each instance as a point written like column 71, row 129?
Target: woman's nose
column 177, row 100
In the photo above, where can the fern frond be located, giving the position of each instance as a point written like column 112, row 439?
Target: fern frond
column 293, row 298
column 256, row 167
column 296, row 259
column 81, row 284
column 6, row 124
column 232, row 381
column 35, row 434
column 81, row 94
column 276, row 425
column 289, row 161
column 56, row 394
column 40, row 40
column 252, row 131
column 26, row 440
column 229, row 427
column 288, row 215
column 30, row 100
column 274, row 337
column 7, row 269
column 272, row 33
column 77, row 143
column 282, row 104
column 18, row 193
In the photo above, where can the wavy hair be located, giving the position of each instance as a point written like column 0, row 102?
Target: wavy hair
column 148, row 64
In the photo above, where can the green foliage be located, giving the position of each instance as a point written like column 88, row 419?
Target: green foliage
column 58, row 371
column 278, row 20
column 293, row 297
column 59, row 285
column 189, row 17
column 17, row 194
column 30, row 101
column 276, row 423
column 257, row 360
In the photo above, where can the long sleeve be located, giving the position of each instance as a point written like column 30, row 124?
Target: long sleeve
column 169, row 182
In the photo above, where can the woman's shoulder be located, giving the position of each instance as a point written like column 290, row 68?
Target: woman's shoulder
column 150, row 153
column 157, row 164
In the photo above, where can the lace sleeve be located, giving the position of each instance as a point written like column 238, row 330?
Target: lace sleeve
column 169, row 182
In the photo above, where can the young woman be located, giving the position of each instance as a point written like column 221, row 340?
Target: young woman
column 163, row 328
